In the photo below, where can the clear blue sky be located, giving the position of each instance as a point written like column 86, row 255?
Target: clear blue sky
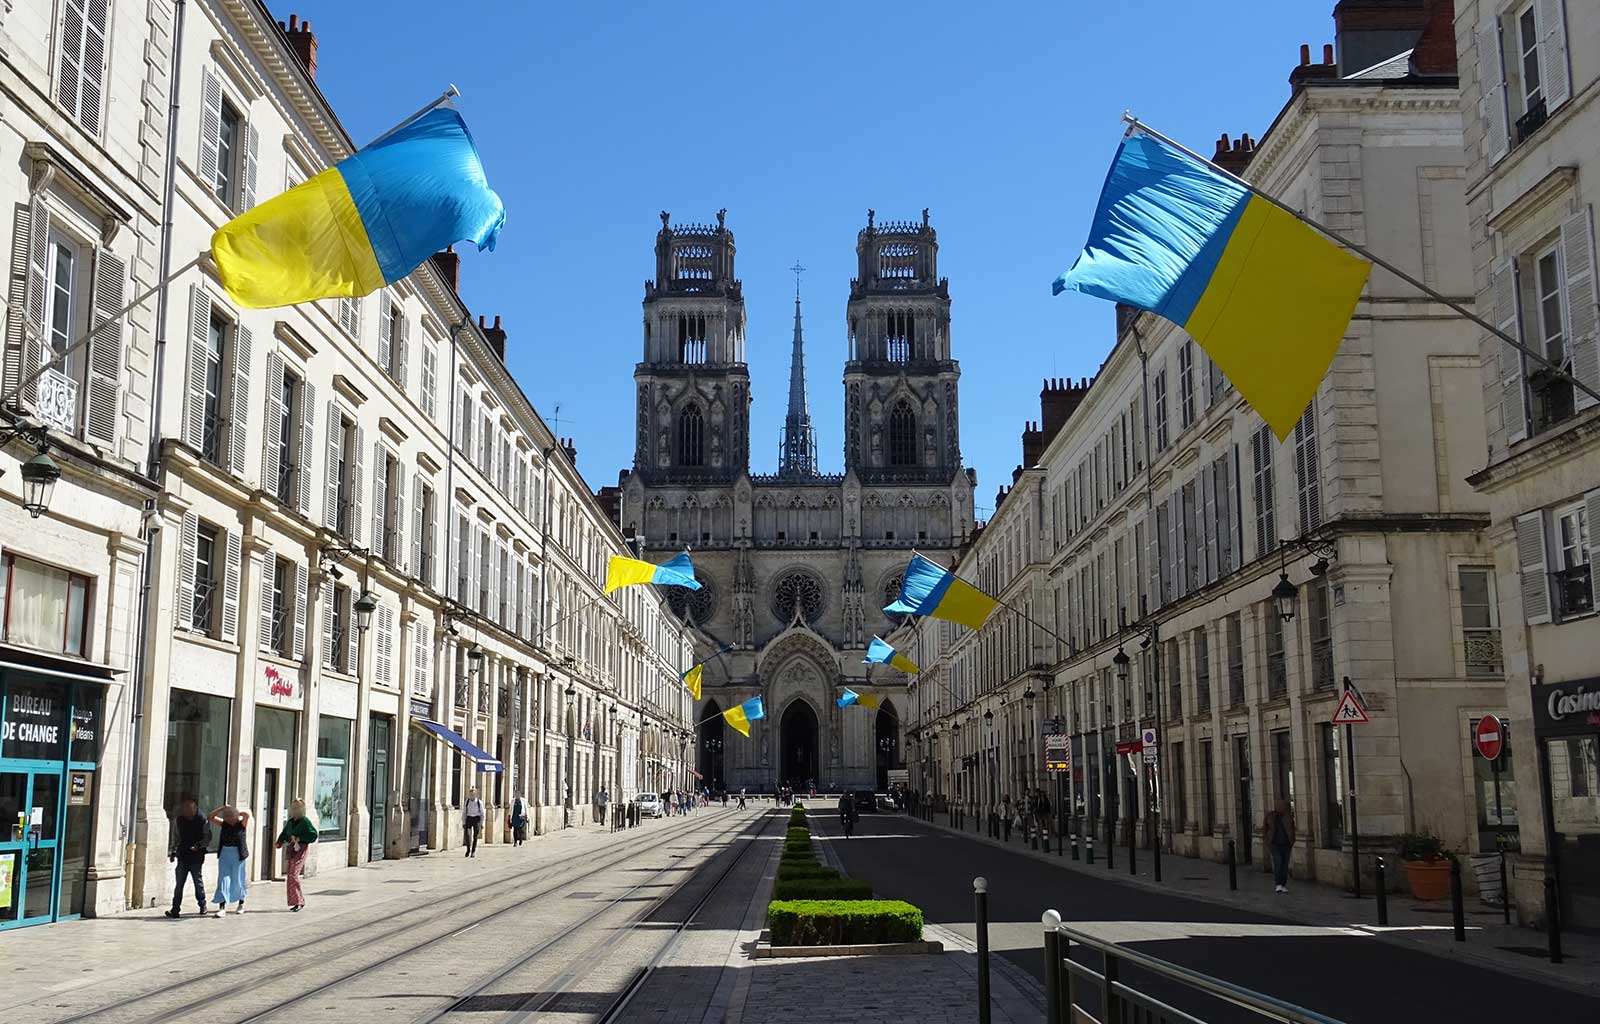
column 797, row 117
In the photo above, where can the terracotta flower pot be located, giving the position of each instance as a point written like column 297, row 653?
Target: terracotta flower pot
column 1429, row 879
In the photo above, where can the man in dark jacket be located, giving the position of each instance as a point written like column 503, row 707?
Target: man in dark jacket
column 186, row 845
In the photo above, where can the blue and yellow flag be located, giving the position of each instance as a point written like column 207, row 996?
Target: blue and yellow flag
column 741, row 715
column 365, row 222
column 880, row 653
column 927, row 589
column 691, row 679
column 625, row 572
column 847, row 698
column 1265, row 295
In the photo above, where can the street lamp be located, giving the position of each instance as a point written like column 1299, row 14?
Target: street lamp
column 475, row 657
column 1122, row 661
column 39, row 476
column 1286, row 595
column 1027, row 698
column 365, row 605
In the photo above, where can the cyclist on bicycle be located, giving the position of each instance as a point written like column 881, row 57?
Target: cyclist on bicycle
column 847, row 813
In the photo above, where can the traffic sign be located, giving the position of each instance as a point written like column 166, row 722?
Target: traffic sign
column 1052, row 726
column 1147, row 738
column 1489, row 737
column 1349, row 711
column 1057, row 754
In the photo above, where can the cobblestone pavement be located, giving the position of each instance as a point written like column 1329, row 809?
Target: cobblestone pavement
column 398, row 937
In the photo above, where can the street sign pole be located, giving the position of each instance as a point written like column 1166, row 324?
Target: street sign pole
column 1349, row 698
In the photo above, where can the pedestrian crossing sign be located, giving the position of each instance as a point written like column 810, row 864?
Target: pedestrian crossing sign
column 1349, row 711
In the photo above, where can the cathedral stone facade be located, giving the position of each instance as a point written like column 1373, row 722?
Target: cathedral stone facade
column 797, row 564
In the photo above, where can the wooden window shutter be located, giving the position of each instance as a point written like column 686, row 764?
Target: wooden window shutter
column 194, row 406
column 308, row 436
column 1492, row 96
column 330, row 488
column 188, row 545
column 232, row 571
column 1583, row 317
column 239, row 404
column 272, row 427
column 357, row 483
column 327, row 623
column 1534, row 568
column 210, row 126
column 1513, row 391
column 104, row 399
column 301, row 603
column 1554, row 74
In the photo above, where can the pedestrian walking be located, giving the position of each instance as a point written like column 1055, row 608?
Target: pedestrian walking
column 472, row 813
column 741, row 798
column 232, row 852
column 1007, row 812
column 296, row 838
column 601, row 799
column 187, row 844
column 1278, row 829
column 519, row 821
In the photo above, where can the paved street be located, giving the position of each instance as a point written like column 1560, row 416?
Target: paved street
column 1339, row 971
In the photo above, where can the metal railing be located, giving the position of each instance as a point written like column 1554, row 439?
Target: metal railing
column 1574, row 593
column 1484, row 656
column 1116, row 1001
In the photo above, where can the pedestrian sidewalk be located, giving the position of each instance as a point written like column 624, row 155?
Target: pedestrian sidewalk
column 58, row 958
column 1490, row 943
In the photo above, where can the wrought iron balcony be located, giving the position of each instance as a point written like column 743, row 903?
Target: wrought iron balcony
column 1532, row 121
column 1574, row 591
column 1484, row 656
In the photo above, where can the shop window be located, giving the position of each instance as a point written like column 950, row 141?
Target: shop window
column 46, row 608
column 331, row 789
column 198, row 730
column 1332, row 787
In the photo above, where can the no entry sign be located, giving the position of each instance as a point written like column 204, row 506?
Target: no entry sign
column 1489, row 737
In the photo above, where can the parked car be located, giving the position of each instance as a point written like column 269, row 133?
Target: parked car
column 650, row 805
column 866, row 800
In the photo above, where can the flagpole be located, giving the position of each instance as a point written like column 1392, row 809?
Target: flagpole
column 61, row 356
column 1134, row 124
column 443, row 97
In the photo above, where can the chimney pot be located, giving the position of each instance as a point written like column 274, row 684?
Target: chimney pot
column 292, row 20
column 1327, row 53
column 449, row 264
column 303, row 43
column 1305, row 54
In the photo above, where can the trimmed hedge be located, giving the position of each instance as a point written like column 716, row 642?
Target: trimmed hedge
column 821, row 889
column 794, row 868
column 842, row 922
column 797, row 833
column 797, row 816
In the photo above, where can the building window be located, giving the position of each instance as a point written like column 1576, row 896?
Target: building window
column 505, row 587
column 1277, row 670
column 1180, row 780
column 46, row 608
column 345, row 488
column 430, row 379
column 1208, row 789
column 902, row 435
column 486, row 447
column 428, row 541
column 1202, row 670
column 485, row 573
column 67, row 317
column 208, row 554
column 228, row 138
column 339, row 629
column 691, row 436
column 1574, row 588
column 1308, row 475
column 1480, row 627
column 1552, row 396
column 1186, row 382
column 394, row 501
column 1174, row 680
column 288, row 441
column 1332, row 788
column 80, row 79
column 1528, row 51
column 1160, row 386
column 464, row 437
column 1319, row 622
column 1266, row 516
column 394, row 338
column 1235, row 631
column 282, row 628
column 211, row 434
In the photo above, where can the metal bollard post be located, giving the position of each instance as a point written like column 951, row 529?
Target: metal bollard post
column 1552, row 917
column 1074, row 828
column 1379, row 872
column 1457, row 914
column 1233, row 868
column 980, row 899
column 1052, row 967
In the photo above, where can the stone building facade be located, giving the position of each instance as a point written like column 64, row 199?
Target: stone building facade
column 1530, row 84
column 797, row 564
column 1169, row 513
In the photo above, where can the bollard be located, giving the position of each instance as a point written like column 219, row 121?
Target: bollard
column 1457, row 914
column 1033, row 836
column 1233, row 868
column 980, row 899
column 1052, row 967
column 1552, row 917
column 1074, row 828
column 1382, row 883
column 1505, row 893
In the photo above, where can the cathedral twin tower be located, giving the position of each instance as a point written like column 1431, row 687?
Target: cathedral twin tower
column 795, row 564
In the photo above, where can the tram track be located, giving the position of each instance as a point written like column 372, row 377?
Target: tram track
column 257, row 968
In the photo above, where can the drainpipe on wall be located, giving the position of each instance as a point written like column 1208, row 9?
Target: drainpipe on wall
column 153, row 461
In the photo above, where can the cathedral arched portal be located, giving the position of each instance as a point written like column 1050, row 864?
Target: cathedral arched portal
column 798, row 744
column 887, row 735
column 712, row 757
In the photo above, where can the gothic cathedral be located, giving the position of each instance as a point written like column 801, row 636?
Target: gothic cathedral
column 796, row 565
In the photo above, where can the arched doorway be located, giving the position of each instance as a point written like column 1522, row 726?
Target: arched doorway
column 712, row 747
column 887, row 737
column 798, row 734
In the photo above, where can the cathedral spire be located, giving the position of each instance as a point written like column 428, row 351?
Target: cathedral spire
column 798, row 455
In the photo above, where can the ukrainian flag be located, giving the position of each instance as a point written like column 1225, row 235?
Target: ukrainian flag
column 741, row 715
column 365, row 222
column 1266, row 296
column 848, row 698
column 927, row 589
column 880, row 653
column 691, row 679
column 625, row 572
column 867, row 700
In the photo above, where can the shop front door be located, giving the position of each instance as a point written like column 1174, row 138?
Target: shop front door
column 378, row 787
column 272, row 769
column 29, row 805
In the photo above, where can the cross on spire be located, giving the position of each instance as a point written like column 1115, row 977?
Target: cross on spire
column 797, row 270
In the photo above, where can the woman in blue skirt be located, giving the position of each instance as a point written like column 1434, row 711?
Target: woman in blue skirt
column 232, row 852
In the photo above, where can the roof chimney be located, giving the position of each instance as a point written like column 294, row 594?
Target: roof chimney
column 571, row 450
column 495, row 335
column 1435, row 52
column 1306, row 71
column 1371, row 31
column 1058, row 399
column 302, row 42
column 449, row 264
column 1033, row 442
column 1234, row 156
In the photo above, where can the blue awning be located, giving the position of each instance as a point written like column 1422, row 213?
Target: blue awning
column 485, row 761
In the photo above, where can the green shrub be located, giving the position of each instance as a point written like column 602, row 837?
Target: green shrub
column 797, row 816
column 794, row 868
column 842, row 922
column 822, row 889
column 798, row 833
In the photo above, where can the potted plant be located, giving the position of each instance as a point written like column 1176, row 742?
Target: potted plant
column 1427, row 864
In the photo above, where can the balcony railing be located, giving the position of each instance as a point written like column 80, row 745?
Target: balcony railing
column 1574, row 592
column 205, row 593
column 1322, row 663
column 1235, row 685
column 1484, row 656
column 1532, row 121
column 1277, row 675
